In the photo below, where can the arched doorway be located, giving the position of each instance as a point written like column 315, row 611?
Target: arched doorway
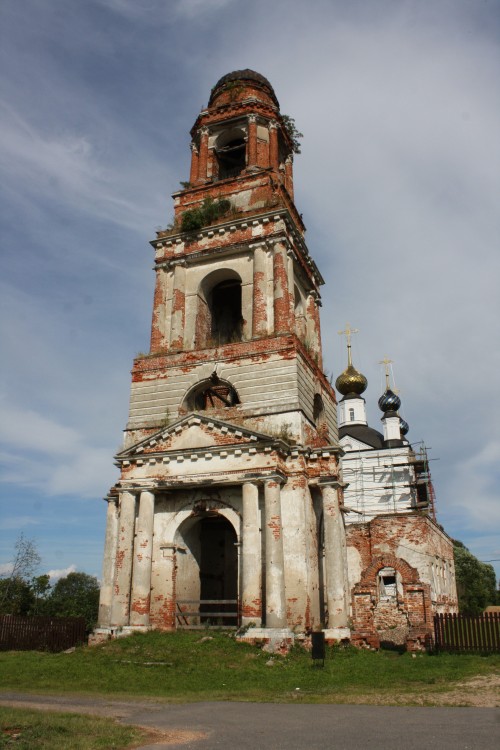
column 218, row 568
column 207, row 572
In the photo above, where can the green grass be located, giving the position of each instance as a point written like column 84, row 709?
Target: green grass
column 24, row 729
column 183, row 666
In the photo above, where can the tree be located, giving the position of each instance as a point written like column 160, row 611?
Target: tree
column 16, row 596
column 76, row 595
column 40, row 586
column 476, row 581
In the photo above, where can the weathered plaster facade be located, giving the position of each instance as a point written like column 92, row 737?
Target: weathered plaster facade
column 230, row 493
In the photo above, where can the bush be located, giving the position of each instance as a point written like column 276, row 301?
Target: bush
column 208, row 212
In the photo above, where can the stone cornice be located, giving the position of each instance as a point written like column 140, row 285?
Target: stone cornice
column 292, row 236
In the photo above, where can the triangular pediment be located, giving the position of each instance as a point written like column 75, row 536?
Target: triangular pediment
column 195, row 432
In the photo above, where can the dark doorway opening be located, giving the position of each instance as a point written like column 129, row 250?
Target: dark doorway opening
column 218, row 570
column 227, row 321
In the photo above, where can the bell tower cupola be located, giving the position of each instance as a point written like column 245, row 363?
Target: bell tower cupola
column 237, row 294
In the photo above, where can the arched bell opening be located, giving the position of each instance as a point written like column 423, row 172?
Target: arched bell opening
column 207, row 572
column 230, row 153
column 219, row 317
column 225, row 305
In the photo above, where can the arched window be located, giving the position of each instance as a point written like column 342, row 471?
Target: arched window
column 212, row 393
column 231, row 152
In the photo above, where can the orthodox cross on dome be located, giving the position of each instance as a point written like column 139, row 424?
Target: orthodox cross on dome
column 348, row 333
column 386, row 362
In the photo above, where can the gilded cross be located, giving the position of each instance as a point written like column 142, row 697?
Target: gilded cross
column 386, row 361
column 348, row 333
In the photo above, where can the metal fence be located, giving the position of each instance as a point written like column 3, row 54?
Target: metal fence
column 465, row 633
column 19, row 633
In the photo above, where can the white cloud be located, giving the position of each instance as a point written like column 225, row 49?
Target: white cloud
column 41, row 453
column 55, row 575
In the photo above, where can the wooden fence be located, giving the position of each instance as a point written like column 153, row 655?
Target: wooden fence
column 197, row 614
column 465, row 633
column 19, row 633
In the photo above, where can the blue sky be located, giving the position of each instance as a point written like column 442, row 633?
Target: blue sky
column 398, row 182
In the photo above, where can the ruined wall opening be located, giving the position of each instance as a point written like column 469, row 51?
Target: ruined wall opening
column 231, row 154
column 387, row 583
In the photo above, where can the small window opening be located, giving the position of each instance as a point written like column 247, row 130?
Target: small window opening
column 318, row 409
column 351, row 415
column 231, row 158
column 388, row 583
column 225, row 307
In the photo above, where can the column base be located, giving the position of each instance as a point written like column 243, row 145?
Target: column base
column 273, row 640
column 101, row 635
column 337, row 634
column 129, row 629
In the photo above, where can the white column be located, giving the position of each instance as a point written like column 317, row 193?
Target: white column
column 275, row 574
column 251, row 558
column 108, row 566
column 123, row 564
column 141, row 571
column 335, row 567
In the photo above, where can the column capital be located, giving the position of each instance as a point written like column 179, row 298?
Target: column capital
column 193, row 147
column 205, row 130
column 273, row 124
column 259, row 243
column 276, row 478
column 252, row 118
column 330, row 482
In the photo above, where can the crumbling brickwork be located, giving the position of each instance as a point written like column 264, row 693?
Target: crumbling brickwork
column 230, row 489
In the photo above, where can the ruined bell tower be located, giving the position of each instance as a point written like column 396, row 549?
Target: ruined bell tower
column 228, row 506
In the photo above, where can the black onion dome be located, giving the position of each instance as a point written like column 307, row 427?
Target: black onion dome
column 351, row 381
column 389, row 401
column 403, row 426
column 243, row 75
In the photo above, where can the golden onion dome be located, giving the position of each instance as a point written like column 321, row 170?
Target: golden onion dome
column 351, row 381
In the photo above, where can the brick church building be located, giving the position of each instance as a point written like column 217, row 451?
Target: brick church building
column 229, row 508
